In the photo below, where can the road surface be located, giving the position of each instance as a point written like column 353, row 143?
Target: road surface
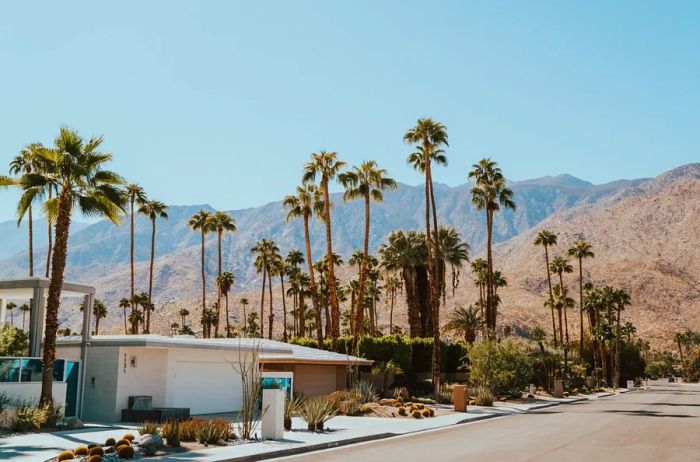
column 659, row 424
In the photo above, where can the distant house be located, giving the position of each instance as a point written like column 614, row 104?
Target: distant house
column 187, row 372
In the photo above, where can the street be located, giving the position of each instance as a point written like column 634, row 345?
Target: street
column 659, row 424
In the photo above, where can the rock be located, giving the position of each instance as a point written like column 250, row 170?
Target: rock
column 149, row 444
column 72, row 423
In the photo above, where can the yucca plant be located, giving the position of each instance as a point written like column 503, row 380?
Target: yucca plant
column 365, row 392
column 483, row 396
column 148, row 428
column 291, row 408
column 317, row 411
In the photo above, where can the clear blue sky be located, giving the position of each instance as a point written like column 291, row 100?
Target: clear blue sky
column 222, row 102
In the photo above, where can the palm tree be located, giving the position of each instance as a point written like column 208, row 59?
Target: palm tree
column 99, row 311
column 282, row 268
column 367, row 182
column 454, row 252
column 327, row 166
column 11, row 309
column 479, row 269
column 222, row 222
column 308, row 202
column 184, row 312
column 621, row 300
column 134, row 195
column 202, row 221
column 125, row 303
column 244, row 303
column 75, row 168
column 430, row 136
column 267, row 255
column 153, row 210
column 490, row 193
column 467, row 321
column 24, row 164
column 225, row 283
column 391, row 286
column 559, row 266
column 580, row 250
column 546, row 239
column 24, row 309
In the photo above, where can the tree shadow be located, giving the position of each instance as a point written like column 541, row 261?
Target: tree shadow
column 641, row 413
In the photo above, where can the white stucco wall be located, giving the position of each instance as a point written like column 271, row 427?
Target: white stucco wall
column 31, row 391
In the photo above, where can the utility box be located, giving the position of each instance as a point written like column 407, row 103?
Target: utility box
column 459, row 398
column 558, row 388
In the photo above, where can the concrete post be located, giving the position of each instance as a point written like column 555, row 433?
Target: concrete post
column 558, row 388
column 273, row 414
column 37, row 317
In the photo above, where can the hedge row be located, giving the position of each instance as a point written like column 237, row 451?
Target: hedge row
column 411, row 354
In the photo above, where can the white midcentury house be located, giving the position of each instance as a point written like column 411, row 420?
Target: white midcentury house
column 202, row 375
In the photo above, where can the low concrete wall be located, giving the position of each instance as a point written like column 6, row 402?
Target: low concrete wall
column 31, row 391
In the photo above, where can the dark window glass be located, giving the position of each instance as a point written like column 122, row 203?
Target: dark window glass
column 31, row 370
column 9, row 370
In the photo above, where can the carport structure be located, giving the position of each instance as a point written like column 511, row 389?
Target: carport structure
column 35, row 289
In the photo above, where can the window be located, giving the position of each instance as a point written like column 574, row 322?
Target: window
column 9, row 370
column 31, row 370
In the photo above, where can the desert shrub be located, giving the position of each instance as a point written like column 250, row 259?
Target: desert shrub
column 64, row 455
column 81, row 451
column 148, row 428
column 213, row 431
column 365, row 392
column 317, row 411
column 110, row 442
column 171, row 433
column 125, row 452
column 416, row 414
column 402, row 411
column 188, row 430
column 483, row 396
column 351, row 405
column 128, row 437
column 445, row 394
column 29, row 417
column 13, row 341
column 96, row 451
column 95, row 458
column 426, row 413
column 504, row 367
column 431, row 411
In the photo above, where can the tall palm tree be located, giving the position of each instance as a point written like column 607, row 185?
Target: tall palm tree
column 559, row 266
column 222, row 222
column 225, row 283
column 125, row 303
column 367, row 182
column 479, row 269
column 392, row 286
column 327, row 166
column 282, row 268
column 467, row 321
column 24, row 308
column 454, row 252
column 308, row 202
column 99, row 311
column 184, row 312
column 490, row 194
column 134, row 195
column 580, row 250
column 153, row 210
column 430, row 136
column 11, row 306
column 75, row 167
column 267, row 256
column 547, row 239
column 244, row 304
column 24, row 164
column 202, row 222
column 621, row 300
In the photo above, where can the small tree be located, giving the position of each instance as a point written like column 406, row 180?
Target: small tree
column 250, row 415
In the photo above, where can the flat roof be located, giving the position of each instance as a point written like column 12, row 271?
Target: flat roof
column 23, row 288
column 271, row 351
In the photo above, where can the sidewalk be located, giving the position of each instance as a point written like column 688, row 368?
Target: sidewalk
column 342, row 430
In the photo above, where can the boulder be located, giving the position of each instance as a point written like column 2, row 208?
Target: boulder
column 149, row 444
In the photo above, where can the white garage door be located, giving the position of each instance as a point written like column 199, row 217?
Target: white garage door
column 207, row 387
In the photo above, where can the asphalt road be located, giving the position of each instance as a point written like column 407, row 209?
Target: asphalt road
column 659, row 424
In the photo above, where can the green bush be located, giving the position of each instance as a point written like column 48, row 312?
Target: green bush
column 13, row 341
column 483, row 396
column 30, row 418
column 504, row 367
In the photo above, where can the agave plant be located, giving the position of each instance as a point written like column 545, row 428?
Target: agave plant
column 365, row 392
column 317, row 411
column 292, row 408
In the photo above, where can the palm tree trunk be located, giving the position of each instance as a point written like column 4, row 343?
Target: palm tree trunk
column 618, row 352
column 262, row 299
column 335, row 309
column 54, row 298
column 358, row 321
column 97, row 325
column 284, row 308
column 131, row 253
column 391, row 312
column 551, row 295
column 272, row 314
column 580, row 295
column 126, row 328
column 150, row 274
column 48, row 252
column 204, row 281
column 30, row 227
column 218, row 288
column 490, row 315
column 312, row 284
column 433, row 299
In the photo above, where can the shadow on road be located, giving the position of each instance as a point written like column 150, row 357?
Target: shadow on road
column 643, row 413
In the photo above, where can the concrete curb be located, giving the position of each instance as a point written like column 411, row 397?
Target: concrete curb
column 380, row 436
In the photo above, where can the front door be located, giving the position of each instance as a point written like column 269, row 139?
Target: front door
column 72, row 382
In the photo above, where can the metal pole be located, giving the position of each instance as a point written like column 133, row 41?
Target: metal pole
column 84, row 342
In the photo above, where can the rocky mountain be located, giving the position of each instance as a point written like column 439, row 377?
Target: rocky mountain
column 645, row 232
